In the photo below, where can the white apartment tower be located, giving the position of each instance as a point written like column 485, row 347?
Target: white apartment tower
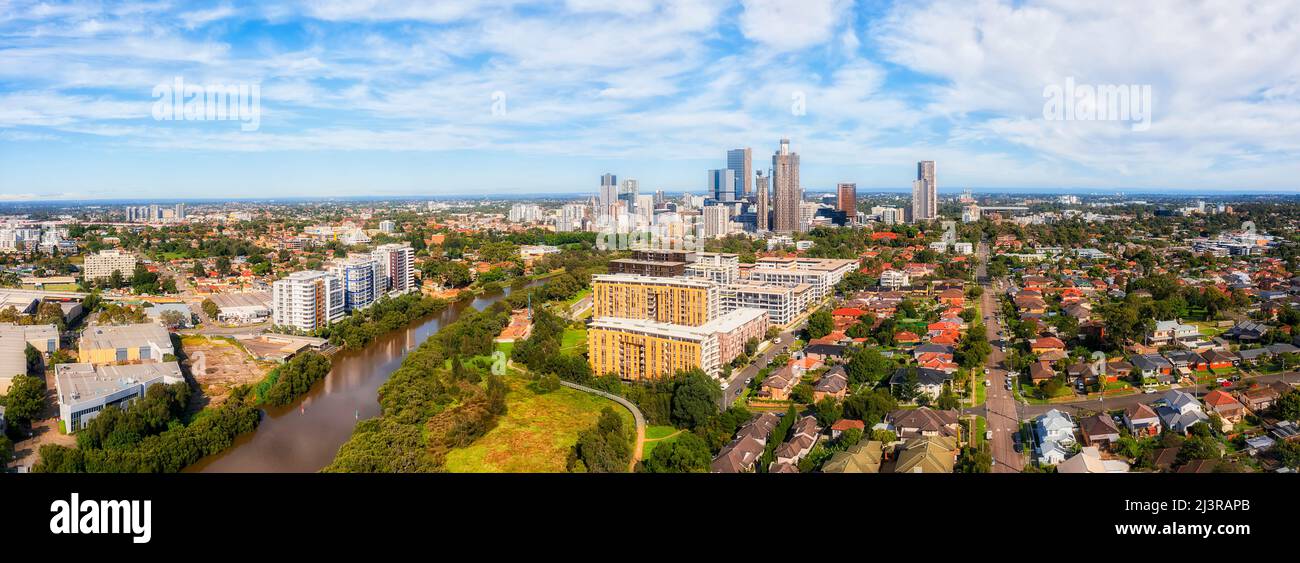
column 307, row 300
column 101, row 265
column 925, row 200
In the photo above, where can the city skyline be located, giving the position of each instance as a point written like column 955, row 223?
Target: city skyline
column 507, row 98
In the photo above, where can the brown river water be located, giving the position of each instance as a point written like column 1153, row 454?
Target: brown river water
column 305, row 436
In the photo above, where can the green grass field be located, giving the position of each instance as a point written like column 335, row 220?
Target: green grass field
column 574, row 341
column 536, row 434
column 659, row 435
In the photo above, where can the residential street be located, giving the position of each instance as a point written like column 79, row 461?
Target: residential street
column 1001, row 408
column 738, row 378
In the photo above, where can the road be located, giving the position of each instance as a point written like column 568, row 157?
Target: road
column 738, row 378
column 1001, row 408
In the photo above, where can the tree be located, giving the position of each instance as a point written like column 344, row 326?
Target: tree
column 695, row 399
column 26, row 398
column 975, row 460
column 211, row 309
column 866, row 365
column 199, row 270
column 828, row 411
column 820, row 324
column 6, row 451
column 603, row 448
column 1288, row 406
column 687, row 454
column 172, row 318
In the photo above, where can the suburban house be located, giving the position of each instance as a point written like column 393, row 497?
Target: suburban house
column 1040, row 372
column 1226, row 405
column 1180, row 412
column 862, row 457
column 928, row 381
column 742, row 453
column 1088, row 460
column 844, row 424
column 1141, row 420
column 1247, row 331
column 1099, row 430
column 1168, row 333
column 778, row 385
column 927, row 454
column 925, row 421
column 1259, row 398
column 803, row 436
column 1054, row 431
column 834, row 383
column 1046, row 344
column 1154, row 366
column 1216, row 359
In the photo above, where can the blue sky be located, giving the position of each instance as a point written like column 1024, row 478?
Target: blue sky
column 378, row 97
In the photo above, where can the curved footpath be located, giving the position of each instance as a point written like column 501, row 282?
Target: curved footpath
column 636, row 415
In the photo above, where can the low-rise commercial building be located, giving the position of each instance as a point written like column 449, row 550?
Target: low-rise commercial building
column 14, row 340
column 84, row 390
column 105, row 344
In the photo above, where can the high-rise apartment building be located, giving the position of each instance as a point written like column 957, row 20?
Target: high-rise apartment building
column 573, row 217
column 608, row 194
column 716, row 220
column 785, row 188
column 722, row 185
column 846, row 199
column 682, row 301
column 102, row 264
column 396, row 267
column 760, row 185
column 740, row 162
column 360, row 276
column 307, row 300
column 925, row 200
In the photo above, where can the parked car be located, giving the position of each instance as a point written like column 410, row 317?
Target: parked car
column 988, row 434
column 1149, row 390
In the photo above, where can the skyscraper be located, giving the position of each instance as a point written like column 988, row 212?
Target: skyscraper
column 628, row 194
column 608, row 194
column 722, row 185
column 785, row 189
column 925, row 199
column 760, row 184
column 847, row 199
column 740, row 162
column 716, row 218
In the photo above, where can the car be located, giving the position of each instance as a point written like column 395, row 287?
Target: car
column 986, row 371
column 776, row 340
column 987, row 383
column 1220, row 380
column 1149, row 390
column 988, row 434
column 1226, row 384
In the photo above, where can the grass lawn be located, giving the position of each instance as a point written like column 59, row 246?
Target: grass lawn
column 536, row 433
column 574, row 340
column 505, row 347
column 53, row 286
column 659, row 435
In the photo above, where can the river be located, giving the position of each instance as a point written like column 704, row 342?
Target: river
column 305, row 436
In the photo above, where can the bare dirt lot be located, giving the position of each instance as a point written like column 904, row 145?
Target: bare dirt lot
column 219, row 364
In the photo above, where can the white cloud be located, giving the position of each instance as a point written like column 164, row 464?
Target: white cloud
column 787, row 26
